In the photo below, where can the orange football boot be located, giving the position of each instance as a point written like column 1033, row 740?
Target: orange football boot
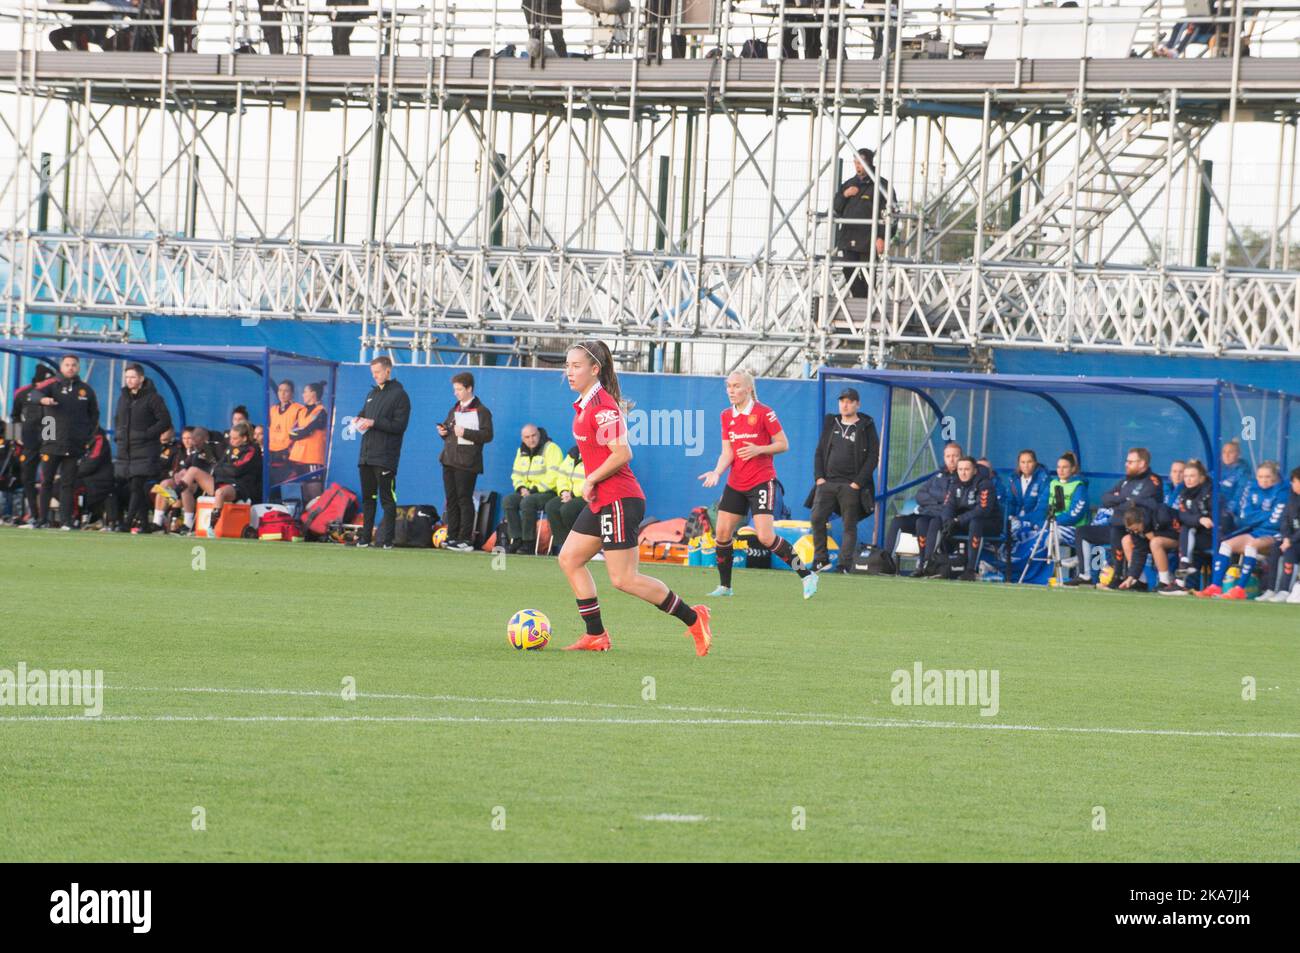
column 1209, row 592
column 700, row 631
column 590, row 643
column 1236, row 592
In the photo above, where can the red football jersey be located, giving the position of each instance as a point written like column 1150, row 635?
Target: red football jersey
column 597, row 422
column 756, row 427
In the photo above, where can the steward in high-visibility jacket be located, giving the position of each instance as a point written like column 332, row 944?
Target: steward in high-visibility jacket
column 309, row 436
column 534, row 477
column 537, row 468
column 562, row 512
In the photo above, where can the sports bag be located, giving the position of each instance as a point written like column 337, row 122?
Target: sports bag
column 278, row 525
column 336, row 505
column 415, row 526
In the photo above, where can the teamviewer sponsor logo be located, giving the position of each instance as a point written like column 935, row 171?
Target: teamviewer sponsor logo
column 102, row 907
column 933, row 686
column 53, row 688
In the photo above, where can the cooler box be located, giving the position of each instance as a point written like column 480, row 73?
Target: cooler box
column 234, row 518
column 794, row 532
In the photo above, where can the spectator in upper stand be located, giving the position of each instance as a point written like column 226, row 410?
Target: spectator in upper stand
column 1234, row 477
column 929, row 508
column 1028, row 496
column 970, row 507
column 341, row 42
column 1174, row 488
column 286, row 413
column 812, row 33
column 542, row 15
column 1280, row 574
column 28, row 414
column 844, row 465
column 466, row 430
column 1196, row 518
column 96, row 484
column 1140, row 487
column 1255, row 530
column 863, row 200
column 536, row 470
column 563, row 511
column 1184, row 33
column 309, row 438
column 142, row 419
column 74, row 411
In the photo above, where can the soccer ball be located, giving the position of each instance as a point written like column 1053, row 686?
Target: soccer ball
column 440, row 537
column 528, row 629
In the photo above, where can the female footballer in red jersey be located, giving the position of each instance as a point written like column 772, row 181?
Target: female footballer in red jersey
column 616, row 505
column 751, row 437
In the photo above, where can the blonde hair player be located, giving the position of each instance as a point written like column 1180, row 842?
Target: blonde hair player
column 751, row 437
column 616, row 505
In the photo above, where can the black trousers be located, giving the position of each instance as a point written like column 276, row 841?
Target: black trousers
column 341, row 37
column 545, row 14
column 562, row 516
column 978, row 528
column 812, row 35
column 65, row 468
column 137, row 507
column 827, row 498
column 857, row 279
column 1192, row 541
column 378, row 486
column 459, row 511
column 1110, row 536
column 31, row 477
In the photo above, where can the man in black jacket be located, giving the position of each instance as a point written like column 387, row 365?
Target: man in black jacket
column 28, row 414
column 971, row 507
column 142, row 419
column 382, row 422
column 95, row 481
column 843, row 469
column 466, row 429
column 864, row 201
column 1140, row 487
column 927, row 519
column 73, row 410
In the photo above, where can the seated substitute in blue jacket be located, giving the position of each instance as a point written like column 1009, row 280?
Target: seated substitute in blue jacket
column 1256, row 527
column 1174, row 486
column 1234, row 476
column 1141, row 488
column 971, row 507
column 929, row 507
column 1028, row 497
column 1280, row 574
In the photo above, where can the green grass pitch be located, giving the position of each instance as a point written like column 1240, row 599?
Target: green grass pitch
column 224, row 691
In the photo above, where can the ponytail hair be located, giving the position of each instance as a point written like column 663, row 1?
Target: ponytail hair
column 599, row 354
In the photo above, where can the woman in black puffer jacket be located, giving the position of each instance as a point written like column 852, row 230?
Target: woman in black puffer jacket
column 142, row 418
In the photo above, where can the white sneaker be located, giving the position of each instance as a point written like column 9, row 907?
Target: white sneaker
column 1294, row 598
column 1271, row 596
column 810, row 585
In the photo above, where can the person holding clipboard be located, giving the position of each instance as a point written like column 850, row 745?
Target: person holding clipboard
column 465, row 429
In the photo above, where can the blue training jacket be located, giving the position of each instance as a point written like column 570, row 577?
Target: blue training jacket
column 1260, row 512
column 1030, row 504
column 1233, row 484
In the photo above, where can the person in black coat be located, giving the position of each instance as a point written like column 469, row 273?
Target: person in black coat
column 95, row 482
column 926, row 521
column 462, row 459
column 1140, row 487
column 236, row 476
column 864, row 234
column 843, row 469
column 142, row 419
column 28, row 414
column 74, row 411
column 382, row 422
column 971, row 507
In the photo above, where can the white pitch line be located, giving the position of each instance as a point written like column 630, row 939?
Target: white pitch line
column 725, row 722
column 675, row 818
